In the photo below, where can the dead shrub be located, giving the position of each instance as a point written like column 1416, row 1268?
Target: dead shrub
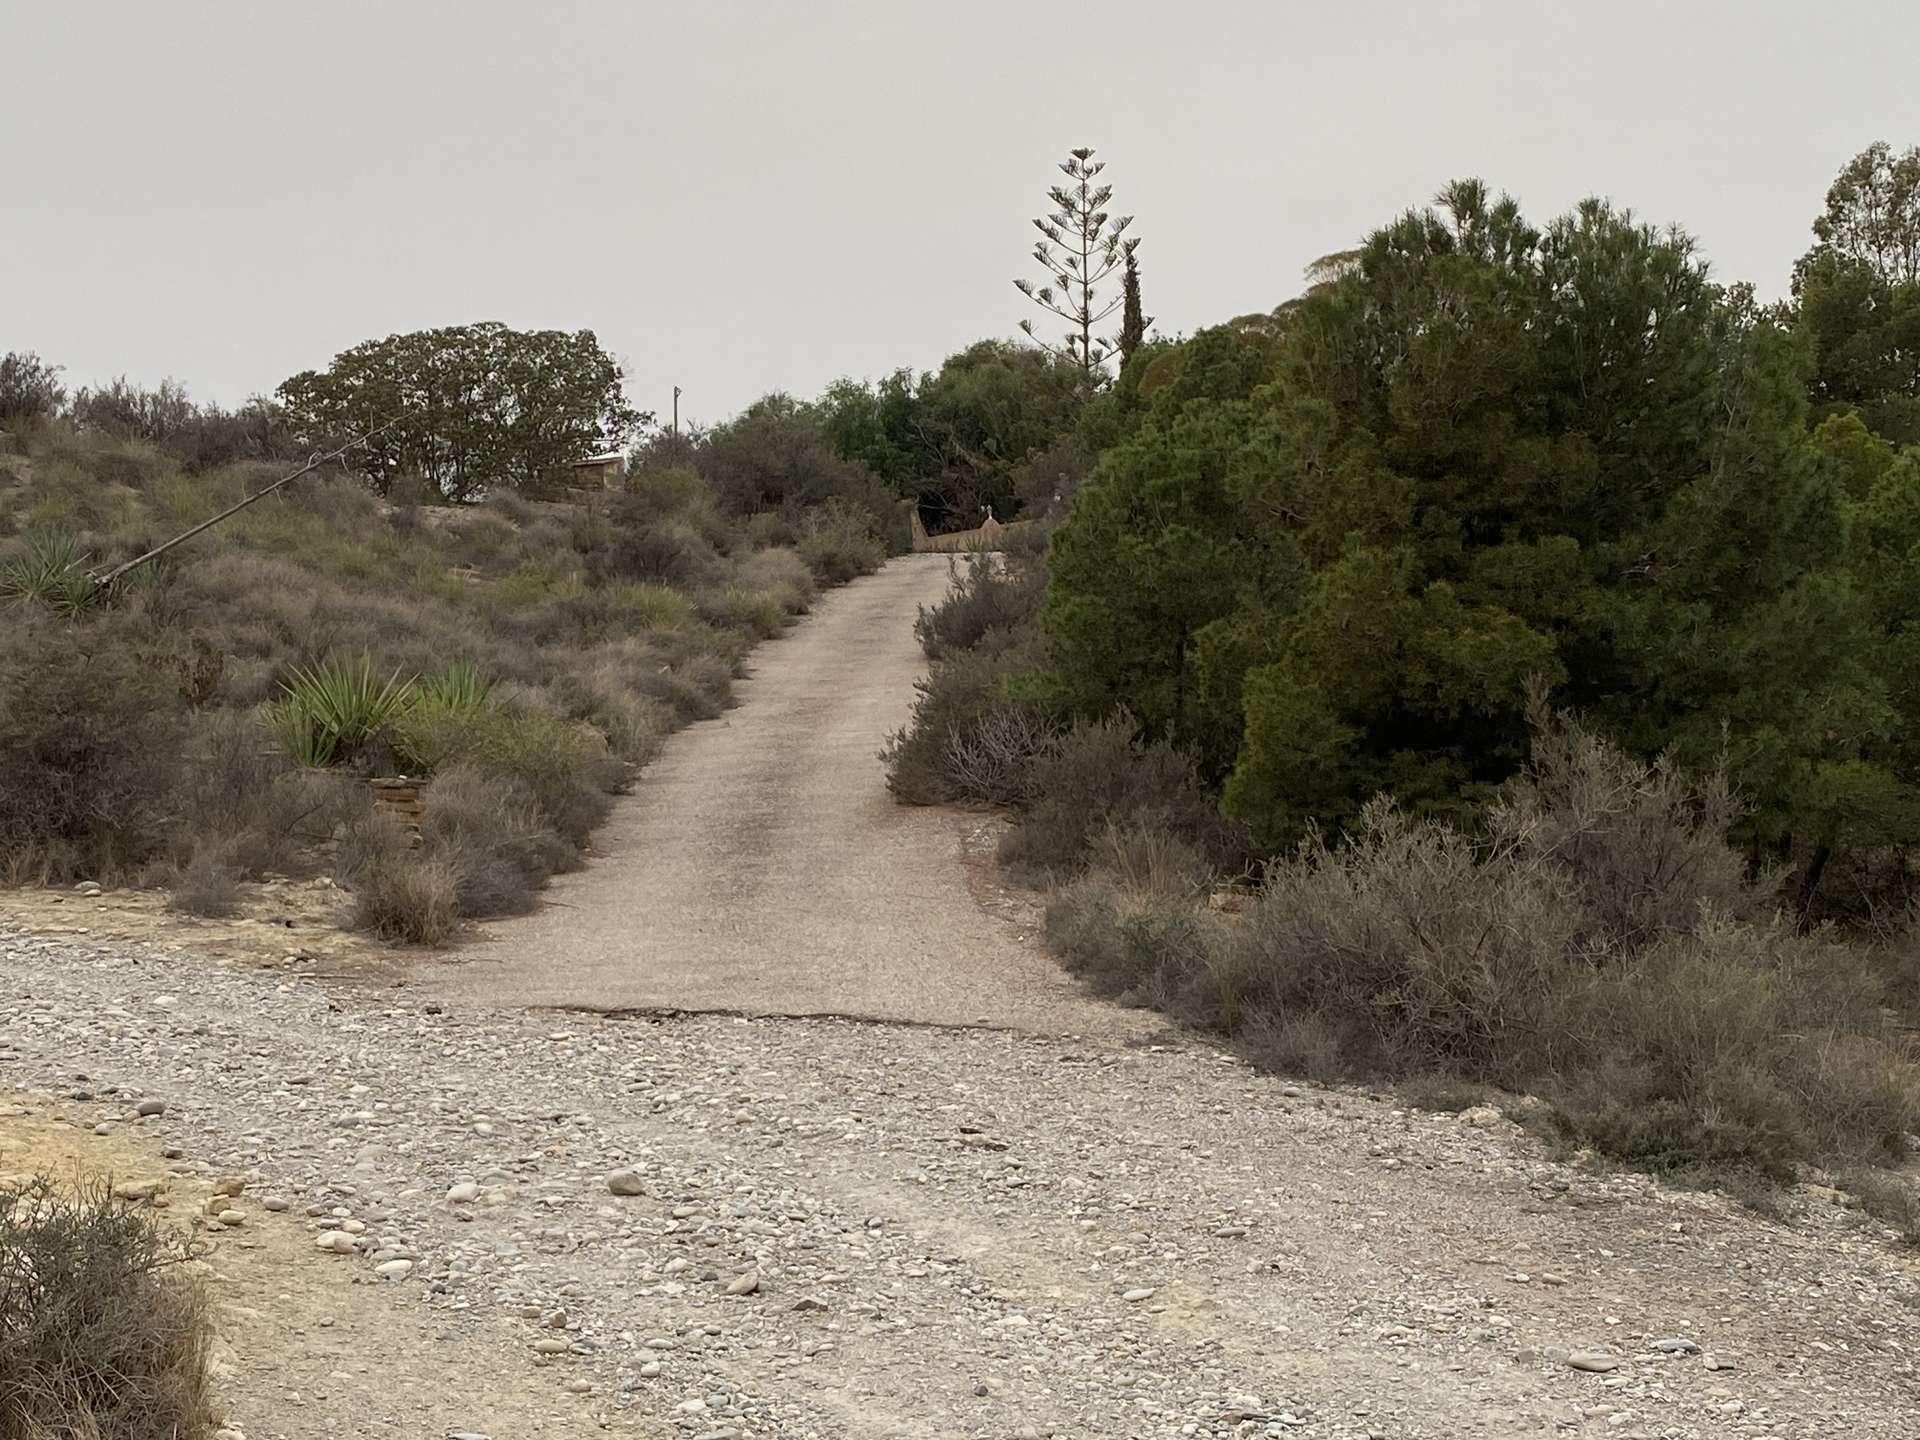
column 490, row 832
column 399, row 893
column 958, row 706
column 101, row 1332
column 208, row 885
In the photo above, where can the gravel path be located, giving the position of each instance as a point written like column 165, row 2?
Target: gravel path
column 761, row 866
column 939, row 1232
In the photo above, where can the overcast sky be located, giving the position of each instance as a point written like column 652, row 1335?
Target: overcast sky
column 740, row 197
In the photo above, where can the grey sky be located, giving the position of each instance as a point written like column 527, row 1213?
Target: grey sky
column 746, row 196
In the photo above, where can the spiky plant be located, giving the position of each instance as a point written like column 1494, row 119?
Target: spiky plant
column 50, row 571
column 460, row 686
column 332, row 712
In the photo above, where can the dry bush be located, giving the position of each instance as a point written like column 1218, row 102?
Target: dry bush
column 1892, row 1199
column 208, row 884
column 1102, row 775
column 101, row 1332
column 1590, row 948
column 994, row 761
column 779, row 574
column 839, row 543
column 569, row 776
column 988, row 592
column 961, row 701
column 399, row 893
column 490, row 832
column 1645, row 843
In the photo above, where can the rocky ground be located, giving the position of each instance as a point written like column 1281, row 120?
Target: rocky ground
column 468, row 1222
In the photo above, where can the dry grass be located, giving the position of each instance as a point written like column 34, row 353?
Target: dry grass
column 1596, row 947
column 130, row 738
column 102, row 1333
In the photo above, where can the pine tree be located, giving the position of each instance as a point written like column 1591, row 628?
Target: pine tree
column 1082, row 246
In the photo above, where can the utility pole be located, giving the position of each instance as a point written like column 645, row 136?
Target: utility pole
column 676, row 412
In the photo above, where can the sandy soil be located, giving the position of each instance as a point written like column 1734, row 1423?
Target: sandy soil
column 761, row 867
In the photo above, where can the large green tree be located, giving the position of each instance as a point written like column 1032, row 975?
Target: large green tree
column 1858, row 293
column 1345, row 540
column 469, row 408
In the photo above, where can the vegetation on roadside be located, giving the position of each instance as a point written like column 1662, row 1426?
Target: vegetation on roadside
column 213, row 719
column 1489, row 671
column 102, row 1332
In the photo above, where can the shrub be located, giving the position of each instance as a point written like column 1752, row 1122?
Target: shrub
column 655, row 550
column 335, row 712
column 1101, row 775
column 567, row 774
column 754, row 612
column 1645, row 843
column 989, row 592
column 240, row 801
column 30, row 389
column 89, row 742
column 490, row 832
column 838, row 544
column 49, row 571
column 209, row 883
column 962, row 700
column 779, row 574
column 101, row 1333
column 1662, row 1030
column 399, row 893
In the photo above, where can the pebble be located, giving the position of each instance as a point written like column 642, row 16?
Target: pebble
column 744, row 1284
column 626, row 1182
column 1676, row 1345
column 151, row 1108
column 1596, row 1362
column 464, row 1193
column 767, row 1146
column 1719, row 1362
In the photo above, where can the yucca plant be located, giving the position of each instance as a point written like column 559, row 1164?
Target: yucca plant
column 333, row 711
column 51, row 572
column 460, row 686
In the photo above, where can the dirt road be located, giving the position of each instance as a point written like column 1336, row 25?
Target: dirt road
column 761, row 866
column 884, row 1232
column 468, row 1218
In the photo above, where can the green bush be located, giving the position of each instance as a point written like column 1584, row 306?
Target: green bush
column 102, row 1334
column 335, row 712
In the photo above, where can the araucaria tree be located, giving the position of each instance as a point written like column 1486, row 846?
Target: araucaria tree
column 1082, row 246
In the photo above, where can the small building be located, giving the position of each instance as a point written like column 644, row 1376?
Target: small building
column 600, row 472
